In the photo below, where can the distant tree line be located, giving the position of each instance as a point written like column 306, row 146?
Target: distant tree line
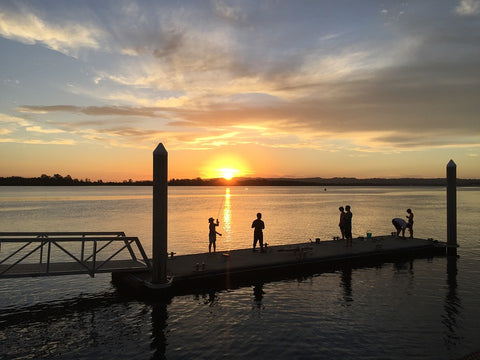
column 336, row 181
column 59, row 180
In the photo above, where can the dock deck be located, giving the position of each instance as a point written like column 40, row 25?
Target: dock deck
column 206, row 268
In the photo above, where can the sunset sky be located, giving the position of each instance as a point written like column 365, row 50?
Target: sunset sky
column 264, row 88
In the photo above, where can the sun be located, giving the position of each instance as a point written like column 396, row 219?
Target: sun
column 224, row 166
column 227, row 173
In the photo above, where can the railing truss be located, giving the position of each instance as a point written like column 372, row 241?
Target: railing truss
column 93, row 254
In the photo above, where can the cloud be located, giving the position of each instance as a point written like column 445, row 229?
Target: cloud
column 14, row 120
column 160, row 45
column 228, row 13
column 38, row 141
column 198, row 76
column 63, row 36
column 468, row 7
column 406, row 141
column 44, row 131
column 360, row 111
column 94, row 110
column 127, row 137
column 50, row 142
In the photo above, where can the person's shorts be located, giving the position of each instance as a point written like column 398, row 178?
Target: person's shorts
column 212, row 238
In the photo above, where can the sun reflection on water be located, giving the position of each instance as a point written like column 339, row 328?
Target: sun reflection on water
column 227, row 219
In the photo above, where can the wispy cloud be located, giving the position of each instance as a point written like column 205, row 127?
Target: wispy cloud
column 14, row 120
column 38, row 141
column 468, row 7
column 65, row 36
column 94, row 110
column 44, row 131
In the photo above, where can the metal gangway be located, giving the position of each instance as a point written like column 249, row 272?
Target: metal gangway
column 25, row 254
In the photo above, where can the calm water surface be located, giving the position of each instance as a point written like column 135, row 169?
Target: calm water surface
column 420, row 309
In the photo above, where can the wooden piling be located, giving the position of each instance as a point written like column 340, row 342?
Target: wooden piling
column 451, row 209
column 160, row 189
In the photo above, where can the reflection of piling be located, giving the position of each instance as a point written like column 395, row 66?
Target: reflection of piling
column 159, row 245
column 452, row 305
column 159, row 323
column 451, row 209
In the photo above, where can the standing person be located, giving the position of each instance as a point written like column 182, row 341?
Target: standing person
column 212, row 235
column 341, row 224
column 348, row 226
column 258, row 225
column 400, row 225
column 410, row 222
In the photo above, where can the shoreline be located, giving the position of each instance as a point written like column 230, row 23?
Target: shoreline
column 59, row 180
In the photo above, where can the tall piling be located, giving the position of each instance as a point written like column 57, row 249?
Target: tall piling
column 160, row 188
column 451, row 208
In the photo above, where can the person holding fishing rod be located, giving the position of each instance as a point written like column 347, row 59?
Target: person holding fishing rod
column 212, row 235
column 258, row 225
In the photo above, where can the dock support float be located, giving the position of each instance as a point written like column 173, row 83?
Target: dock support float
column 451, row 209
column 159, row 241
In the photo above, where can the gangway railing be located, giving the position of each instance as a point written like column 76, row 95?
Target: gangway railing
column 80, row 253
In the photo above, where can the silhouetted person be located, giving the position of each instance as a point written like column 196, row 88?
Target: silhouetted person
column 341, row 224
column 348, row 225
column 410, row 222
column 258, row 225
column 212, row 235
column 400, row 225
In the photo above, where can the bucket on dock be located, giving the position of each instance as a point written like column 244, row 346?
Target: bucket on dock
column 317, row 241
column 369, row 235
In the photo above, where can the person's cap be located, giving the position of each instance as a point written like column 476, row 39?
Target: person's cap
column 210, row 219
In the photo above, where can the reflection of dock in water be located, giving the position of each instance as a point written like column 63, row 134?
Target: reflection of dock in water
column 203, row 270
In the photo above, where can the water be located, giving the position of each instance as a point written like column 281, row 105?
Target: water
column 421, row 309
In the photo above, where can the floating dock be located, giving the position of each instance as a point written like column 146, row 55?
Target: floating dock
column 187, row 272
column 207, row 270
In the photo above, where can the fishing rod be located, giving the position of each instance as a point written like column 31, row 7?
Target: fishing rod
column 221, row 207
